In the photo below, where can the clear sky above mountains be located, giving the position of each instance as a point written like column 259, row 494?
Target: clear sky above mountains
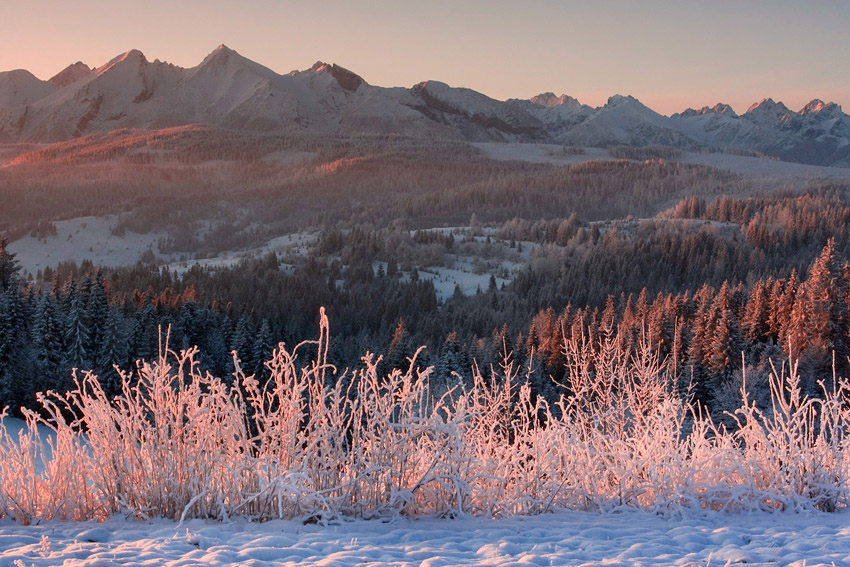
column 670, row 54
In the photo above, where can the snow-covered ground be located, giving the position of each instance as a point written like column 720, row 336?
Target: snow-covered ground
column 445, row 280
column 84, row 238
column 90, row 238
column 565, row 538
column 295, row 244
column 539, row 153
column 750, row 166
column 759, row 167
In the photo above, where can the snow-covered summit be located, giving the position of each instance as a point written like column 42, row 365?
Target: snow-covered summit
column 766, row 110
column 557, row 113
column 549, row 100
column 20, row 87
column 228, row 90
column 625, row 120
column 71, row 74
column 348, row 80
column 132, row 58
column 618, row 99
column 476, row 116
column 719, row 108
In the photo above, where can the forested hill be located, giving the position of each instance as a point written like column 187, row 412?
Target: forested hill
column 698, row 285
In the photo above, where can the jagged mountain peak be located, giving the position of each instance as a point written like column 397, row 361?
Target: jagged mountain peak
column 766, row 105
column 550, row 100
column 229, row 60
column 221, row 55
column 132, row 57
column 817, row 106
column 223, row 64
column 545, row 99
column 763, row 103
column 619, row 99
column 767, row 112
column 719, row 108
column 722, row 108
column 231, row 91
column 71, row 74
column 348, row 80
column 814, row 105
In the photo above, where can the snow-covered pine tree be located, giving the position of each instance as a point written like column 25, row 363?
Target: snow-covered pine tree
column 242, row 343
column 826, row 324
column 77, row 334
column 47, row 343
column 724, row 345
column 97, row 310
column 12, row 345
column 788, row 319
column 755, row 324
column 263, row 348
column 9, row 267
column 112, row 351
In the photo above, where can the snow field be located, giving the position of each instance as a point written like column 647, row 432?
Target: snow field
column 445, row 280
column 565, row 538
column 749, row 166
column 90, row 238
column 83, row 238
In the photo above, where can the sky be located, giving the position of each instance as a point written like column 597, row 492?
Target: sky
column 669, row 54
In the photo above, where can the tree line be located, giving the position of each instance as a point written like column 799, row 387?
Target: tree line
column 99, row 319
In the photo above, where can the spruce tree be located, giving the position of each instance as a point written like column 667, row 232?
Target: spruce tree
column 112, row 352
column 77, row 335
column 9, row 267
column 97, row 310
column 12, row 348
column 243, row 343
column 46, row 339
column 724, row 344
column 262, row 351
column 826, row 323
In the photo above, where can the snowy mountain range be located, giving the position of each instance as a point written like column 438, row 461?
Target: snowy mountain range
column 227, row 90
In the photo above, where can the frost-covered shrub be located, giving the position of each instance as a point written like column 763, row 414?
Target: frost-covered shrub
column 315, row 440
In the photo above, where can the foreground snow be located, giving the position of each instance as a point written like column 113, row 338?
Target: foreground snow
column 568, row 538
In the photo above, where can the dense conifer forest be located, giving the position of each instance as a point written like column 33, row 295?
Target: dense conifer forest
column 704, row 278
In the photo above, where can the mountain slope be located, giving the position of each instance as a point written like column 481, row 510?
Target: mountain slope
column 20, row 87
column 227, row 90
column 230, row 91
column 557, row 113
column 625, row 120
column 818, row 134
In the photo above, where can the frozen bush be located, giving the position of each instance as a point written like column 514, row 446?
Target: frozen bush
column 317, row 441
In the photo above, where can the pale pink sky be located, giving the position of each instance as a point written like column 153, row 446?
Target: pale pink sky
column 669, row 54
